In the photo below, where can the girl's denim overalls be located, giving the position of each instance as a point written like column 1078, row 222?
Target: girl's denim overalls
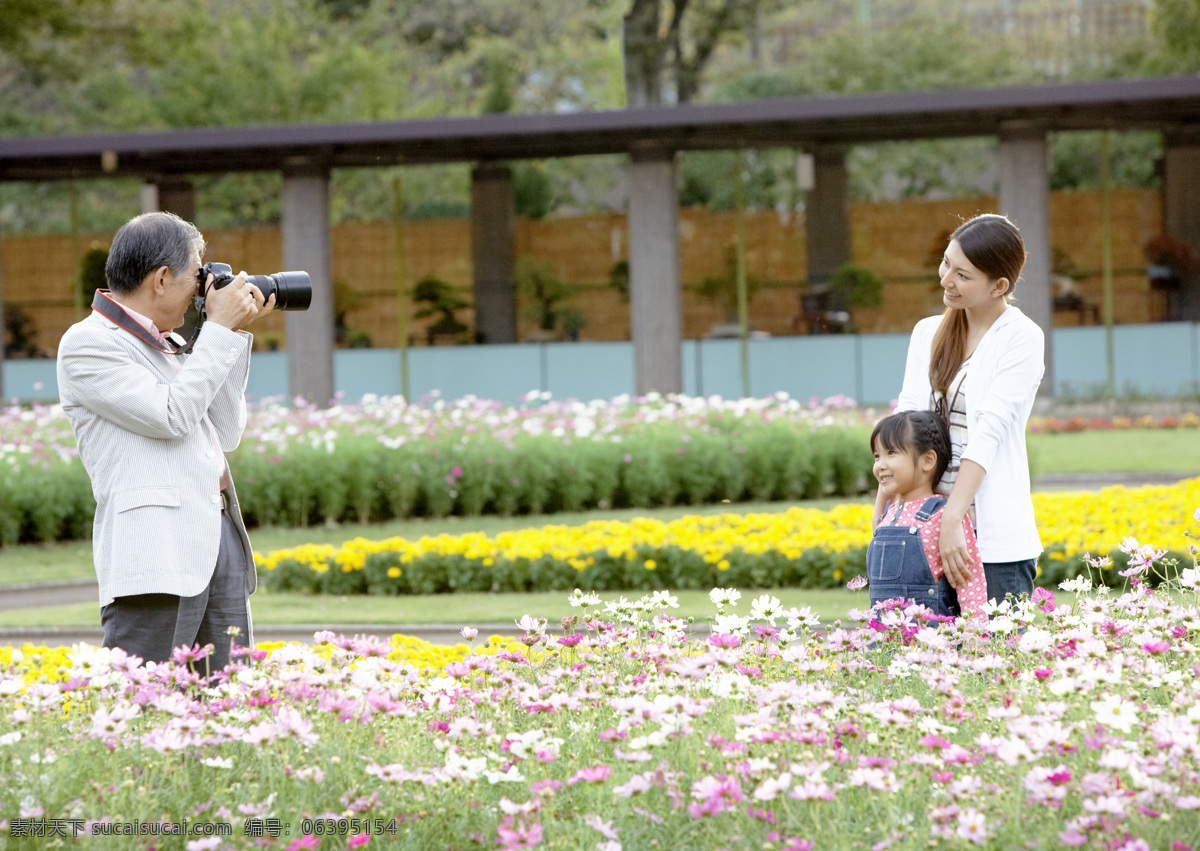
column 897, row 567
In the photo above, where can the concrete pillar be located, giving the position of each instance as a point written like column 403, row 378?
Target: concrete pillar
column 655, row 297
column 150, row 197
column 3, row 335
column 1025, row 199
column 827, row 215
column 177, row 195
column 306, row 248
column 494, row 253
column 1181, row 207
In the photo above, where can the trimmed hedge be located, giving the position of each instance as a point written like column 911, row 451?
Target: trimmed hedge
column 362, row 480
column 383, row 460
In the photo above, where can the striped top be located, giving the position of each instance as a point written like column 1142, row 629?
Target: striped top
column 957, row 408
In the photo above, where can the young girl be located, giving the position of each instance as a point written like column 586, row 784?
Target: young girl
column 912, row 450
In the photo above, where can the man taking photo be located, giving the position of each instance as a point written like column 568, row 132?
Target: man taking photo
column 153, row 418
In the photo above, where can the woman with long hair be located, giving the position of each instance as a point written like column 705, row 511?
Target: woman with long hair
column 979, row 365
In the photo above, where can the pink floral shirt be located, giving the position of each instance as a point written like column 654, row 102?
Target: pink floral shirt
column 973, row 595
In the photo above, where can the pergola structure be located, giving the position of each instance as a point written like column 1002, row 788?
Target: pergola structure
column 1020, row 117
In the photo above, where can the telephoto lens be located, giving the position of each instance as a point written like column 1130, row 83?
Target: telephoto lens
column 292, row 290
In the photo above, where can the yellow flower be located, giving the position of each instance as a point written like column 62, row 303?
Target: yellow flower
column 1070, row 524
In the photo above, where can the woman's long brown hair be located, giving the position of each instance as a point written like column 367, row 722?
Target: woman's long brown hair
column 994, row 246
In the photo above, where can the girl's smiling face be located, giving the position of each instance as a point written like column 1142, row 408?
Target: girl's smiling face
column 901, row 475
column 963, row 285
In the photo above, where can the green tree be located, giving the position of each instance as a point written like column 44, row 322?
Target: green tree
column 671, row 43
column 1177, row 28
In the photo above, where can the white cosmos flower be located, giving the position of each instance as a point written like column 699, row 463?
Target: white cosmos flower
column 731, row 624
column 724, row 596
column 766, row 608
column 579, row 598
column 1115, row 712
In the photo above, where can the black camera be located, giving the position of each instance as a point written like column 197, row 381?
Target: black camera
column 292, row 290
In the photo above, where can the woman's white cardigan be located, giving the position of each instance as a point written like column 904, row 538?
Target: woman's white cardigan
column 1006, row 369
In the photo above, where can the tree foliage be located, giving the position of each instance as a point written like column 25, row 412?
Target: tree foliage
column 75, row 66
column 668, row 45
column 1177, row 26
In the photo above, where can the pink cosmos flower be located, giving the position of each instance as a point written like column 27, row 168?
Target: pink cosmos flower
column 206, row 844
column 183, row 655
column 594, row 774
column 1043, row 599
column 358, row 840
column 518, row 835
column 604, row 827
column 972, row 826
column 857, row 583
column 1156, row 647
column 724, row 639
column 304, row 843
column 790, row 843
column 547, row 787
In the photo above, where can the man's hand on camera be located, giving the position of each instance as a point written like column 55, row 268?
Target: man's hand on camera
column 261, row 308
column 236, row 304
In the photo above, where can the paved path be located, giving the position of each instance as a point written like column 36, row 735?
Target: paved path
column 303, row 634
column 1096, row 481
column 42, row 594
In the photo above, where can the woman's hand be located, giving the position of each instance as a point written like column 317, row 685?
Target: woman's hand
column 952, row 546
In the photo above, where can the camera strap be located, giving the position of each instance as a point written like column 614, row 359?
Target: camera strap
column 111, row 310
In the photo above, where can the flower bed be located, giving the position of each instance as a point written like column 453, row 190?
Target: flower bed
column 1043, row 727
column 382, row 458
column 799, row 547
column 1057, row 425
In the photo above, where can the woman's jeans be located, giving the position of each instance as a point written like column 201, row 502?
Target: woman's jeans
column 897, row 567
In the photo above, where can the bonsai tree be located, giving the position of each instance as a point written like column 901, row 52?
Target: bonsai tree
column 546, row 292
column 721, row 288
column 22, row 332
column 346, row 300
column 618, row 279
column 1170, row 261
column 440, row 300
column 858, row 286
column 91, row 274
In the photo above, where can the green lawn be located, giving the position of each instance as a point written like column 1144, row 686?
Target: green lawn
column 1137, row 451
column 449, row 609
